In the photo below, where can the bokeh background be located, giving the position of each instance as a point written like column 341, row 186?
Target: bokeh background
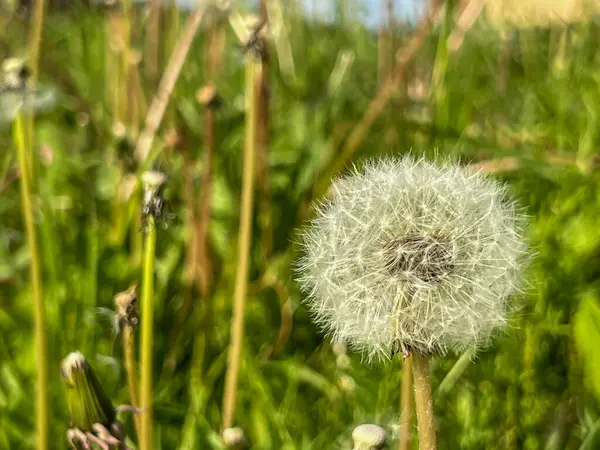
column 513, row 87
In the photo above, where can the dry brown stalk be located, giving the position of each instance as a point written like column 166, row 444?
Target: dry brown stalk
column 152, row 41
column 378, row 104
column 199, row 265
column 203, row 265
column 466, row 19
column 167, row 83
column 386, row 45
column 512, row 163
column 262, row 140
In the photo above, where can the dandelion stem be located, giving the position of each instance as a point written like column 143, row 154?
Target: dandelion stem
column 241, row 278
column 37, row 294
column 423, row 402
column 405, row 405
column 146, row 318
column 132, row 384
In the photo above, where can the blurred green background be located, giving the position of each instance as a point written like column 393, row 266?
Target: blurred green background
column 521, row 96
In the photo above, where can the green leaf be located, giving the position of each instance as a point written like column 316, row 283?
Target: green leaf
column 586, row 326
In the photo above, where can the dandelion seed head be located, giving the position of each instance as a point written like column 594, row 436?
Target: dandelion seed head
column 411, row 254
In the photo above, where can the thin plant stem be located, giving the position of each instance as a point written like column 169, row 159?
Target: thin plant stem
column 132, row 382
column 385, row 45
column 454, row 374
column 33, row 52
column 423, row 402
column 152, row 41
column 262, row 86
column 147, row 315
column 40, row 333
column 241, row 278
column 465, row 22
column 35, row 37
column 285, row 305
column 198, row 273
column 406, row 405
column 167, row 83
column 203, row 263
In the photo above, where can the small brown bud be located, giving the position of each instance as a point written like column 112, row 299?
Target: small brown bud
column 208, row 96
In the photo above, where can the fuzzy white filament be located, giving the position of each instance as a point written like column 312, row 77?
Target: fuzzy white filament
column 412, row 255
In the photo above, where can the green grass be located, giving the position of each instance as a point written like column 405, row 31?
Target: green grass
column 536, row 388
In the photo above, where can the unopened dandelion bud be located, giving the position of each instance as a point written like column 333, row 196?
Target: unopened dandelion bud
column 368, row 437
column 88, row 402
column 234, row 438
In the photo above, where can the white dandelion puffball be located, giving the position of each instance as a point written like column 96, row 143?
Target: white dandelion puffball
column 412, row 255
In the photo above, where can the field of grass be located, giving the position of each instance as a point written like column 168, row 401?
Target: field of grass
column 524, row 103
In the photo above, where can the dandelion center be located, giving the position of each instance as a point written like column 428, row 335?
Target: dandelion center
column 426, row 258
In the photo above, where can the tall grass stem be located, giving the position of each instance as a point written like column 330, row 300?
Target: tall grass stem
column 40, row 327
column 245, row 232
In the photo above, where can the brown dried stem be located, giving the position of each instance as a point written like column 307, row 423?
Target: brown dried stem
column 386, row 46
column 262, row 141
column 167, row 83
column 378, row 104
column 203, row 264
column 152, row 41
column 465, row 21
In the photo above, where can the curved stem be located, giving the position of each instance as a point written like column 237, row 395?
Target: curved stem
column 37, row 295
column 423, row 402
